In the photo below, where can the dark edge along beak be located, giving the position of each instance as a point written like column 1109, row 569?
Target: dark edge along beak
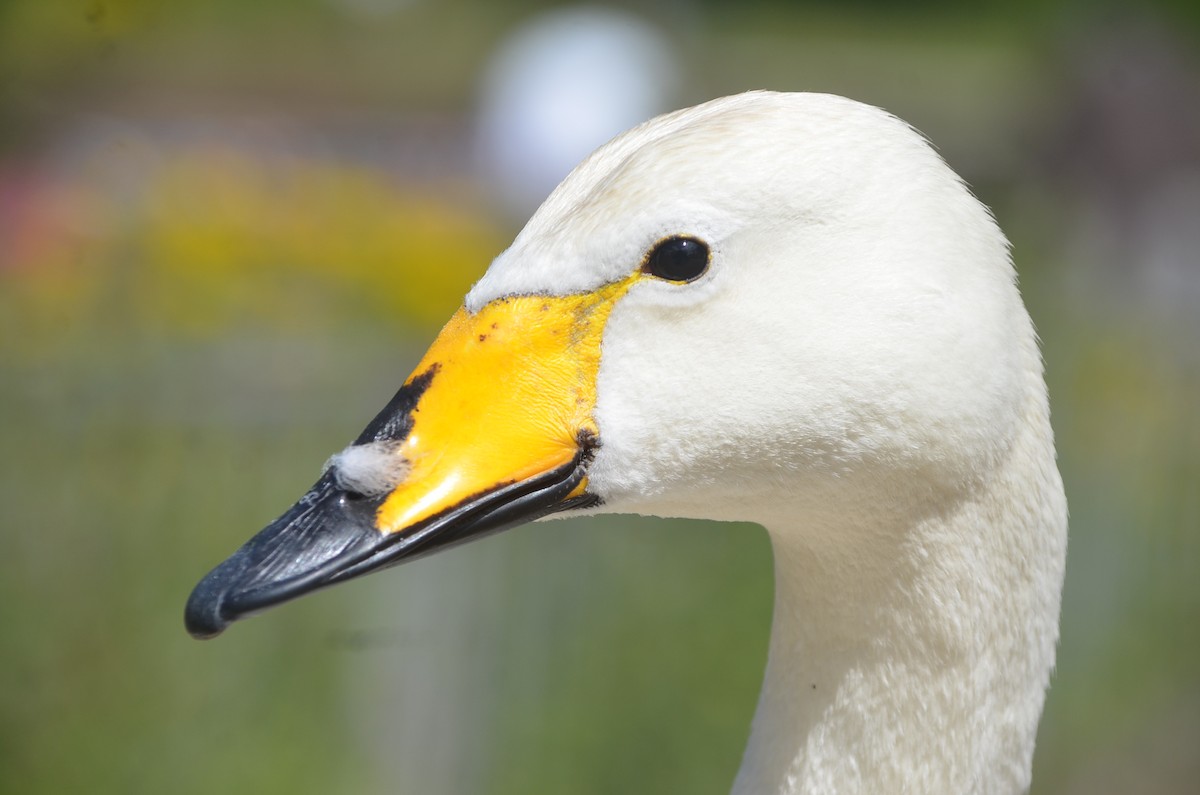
column 329, row 535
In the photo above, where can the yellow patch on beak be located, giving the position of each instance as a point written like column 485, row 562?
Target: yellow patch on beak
column 512, row 393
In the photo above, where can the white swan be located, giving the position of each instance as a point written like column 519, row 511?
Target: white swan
column 782, row 308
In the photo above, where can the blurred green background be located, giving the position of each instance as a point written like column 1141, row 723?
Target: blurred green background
column 228, row 230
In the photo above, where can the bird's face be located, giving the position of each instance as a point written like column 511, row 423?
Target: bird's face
column 724, row 306
column 495, row 427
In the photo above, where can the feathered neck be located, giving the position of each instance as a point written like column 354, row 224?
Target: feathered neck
column 911, row 646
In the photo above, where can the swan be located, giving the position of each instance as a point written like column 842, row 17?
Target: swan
column 777, row 308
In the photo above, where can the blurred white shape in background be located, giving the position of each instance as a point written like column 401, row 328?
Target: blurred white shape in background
column 560, row 86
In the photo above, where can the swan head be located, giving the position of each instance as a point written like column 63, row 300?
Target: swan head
column 768, row 305
column 853, row 332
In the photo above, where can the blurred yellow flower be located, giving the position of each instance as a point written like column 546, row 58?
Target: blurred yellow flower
column 218, row 238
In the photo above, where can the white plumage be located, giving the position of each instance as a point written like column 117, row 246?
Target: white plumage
column 370, row 469
column 857, row 373
column 849, row 364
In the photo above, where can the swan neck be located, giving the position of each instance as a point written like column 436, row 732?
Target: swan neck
column 913, row 659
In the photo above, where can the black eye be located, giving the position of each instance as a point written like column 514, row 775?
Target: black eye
column 677, row 259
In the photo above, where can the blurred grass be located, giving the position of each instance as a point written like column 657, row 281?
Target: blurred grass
column 112, row 500
column 188, row 329
column 1125, row 386
column 121, row 326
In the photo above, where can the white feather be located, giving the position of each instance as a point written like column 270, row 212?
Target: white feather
column 371, row 469
column 857, row 373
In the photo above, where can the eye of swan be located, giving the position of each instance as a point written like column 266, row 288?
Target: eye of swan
column 677, row 259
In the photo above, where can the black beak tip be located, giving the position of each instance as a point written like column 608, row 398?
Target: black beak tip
column 328, row 537
column 203, row 619
column 203, row 615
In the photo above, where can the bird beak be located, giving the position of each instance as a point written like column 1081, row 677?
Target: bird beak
column 493, row 429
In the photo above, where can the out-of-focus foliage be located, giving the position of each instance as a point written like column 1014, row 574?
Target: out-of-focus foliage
column 128, row 303
column 226, row 231
column 206, row 240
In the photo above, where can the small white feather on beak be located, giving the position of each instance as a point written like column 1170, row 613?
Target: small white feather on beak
column 371, row 469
